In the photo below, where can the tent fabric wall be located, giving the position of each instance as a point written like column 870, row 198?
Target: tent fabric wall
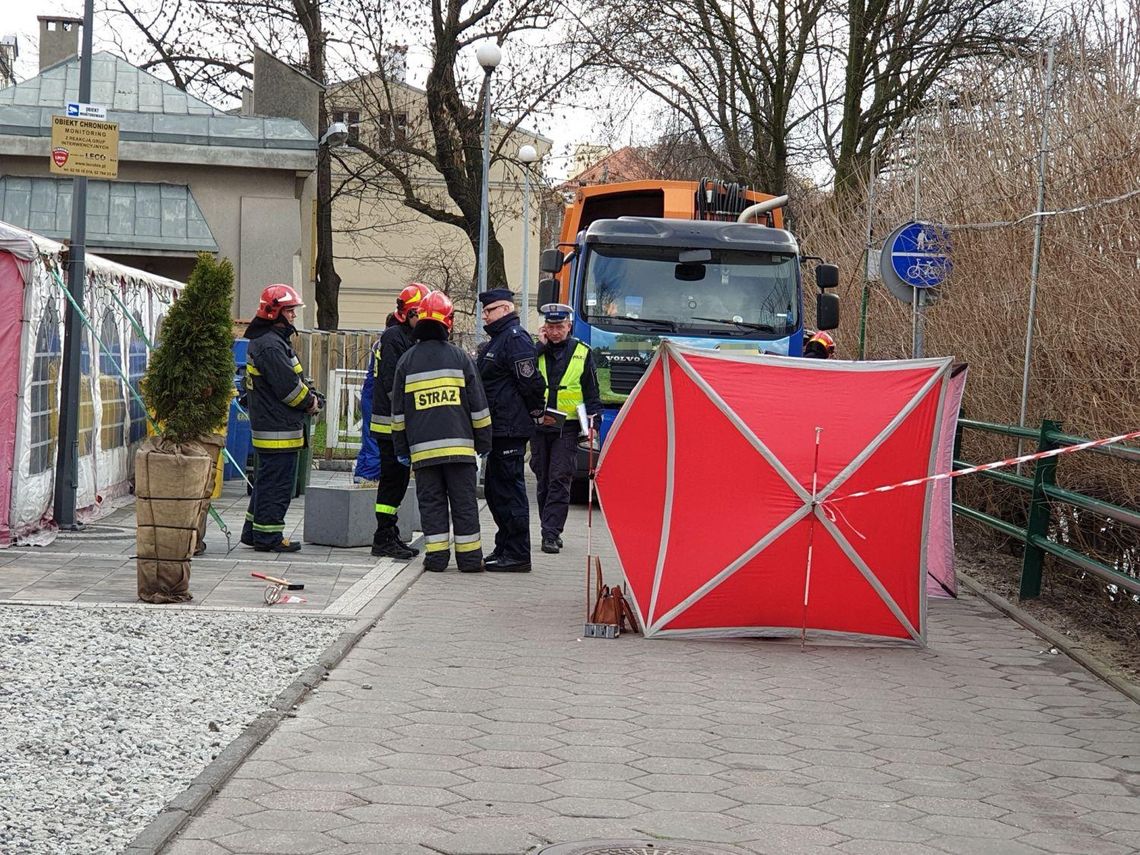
column 724, row 493
column 941, row 580
column 30, row 384
column 11, row 282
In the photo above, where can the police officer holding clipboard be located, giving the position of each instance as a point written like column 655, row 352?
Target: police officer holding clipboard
column 567, row 368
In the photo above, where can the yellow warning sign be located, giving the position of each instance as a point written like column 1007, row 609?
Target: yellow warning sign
column 84, row 147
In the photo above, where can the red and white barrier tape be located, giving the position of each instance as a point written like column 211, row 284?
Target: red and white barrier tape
column 985, row 467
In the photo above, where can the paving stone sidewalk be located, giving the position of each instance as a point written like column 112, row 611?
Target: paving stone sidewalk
column 474, row 719
column 96, row 565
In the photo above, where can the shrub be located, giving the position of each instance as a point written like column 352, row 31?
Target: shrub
column 188, row 384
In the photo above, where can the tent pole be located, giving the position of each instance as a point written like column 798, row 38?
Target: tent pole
column 589, row 514
column 811, row 535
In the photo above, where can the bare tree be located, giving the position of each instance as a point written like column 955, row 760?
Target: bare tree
column 732, row 73
column 429, row 159
column 896, row 56
column 763, row 89
column 424, row 147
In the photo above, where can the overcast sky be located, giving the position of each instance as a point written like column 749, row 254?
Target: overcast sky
column 18, row 17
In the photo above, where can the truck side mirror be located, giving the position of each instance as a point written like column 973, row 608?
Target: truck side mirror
column 548, row 289
column 827, row 311
column 550, row 261
column 826, row 276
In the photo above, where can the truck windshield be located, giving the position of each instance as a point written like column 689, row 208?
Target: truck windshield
column 732, row 293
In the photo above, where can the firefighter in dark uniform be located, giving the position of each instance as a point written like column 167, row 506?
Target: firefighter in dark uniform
column 278, row 399
column 440, row 424
column 567, row 368
column 516, row 395
column 394, row 476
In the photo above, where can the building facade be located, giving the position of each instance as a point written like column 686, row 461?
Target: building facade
column 382, row 244
column 191, row 178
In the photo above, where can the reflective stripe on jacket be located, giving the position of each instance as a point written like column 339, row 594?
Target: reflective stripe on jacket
column 439, row 409
column 278, row 394
column 393, row 344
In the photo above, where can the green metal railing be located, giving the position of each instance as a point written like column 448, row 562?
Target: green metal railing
column 1043, row 491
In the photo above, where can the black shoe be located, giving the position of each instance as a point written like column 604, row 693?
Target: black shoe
column 505, row 566
column 394, row 549
column 550, row 545
column 407, row 546
column 558, row 540
column 476, row 569
column 282, row 546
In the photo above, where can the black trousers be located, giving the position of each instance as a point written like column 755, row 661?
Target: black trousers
column 553, row 457
column 440, row 488
column 272, row 492
column 393, row 484
column 504, row 485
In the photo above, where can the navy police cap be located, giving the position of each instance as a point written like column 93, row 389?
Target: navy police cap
column 556, row 312
column 496, row 295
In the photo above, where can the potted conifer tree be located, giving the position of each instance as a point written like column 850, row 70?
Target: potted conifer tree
column 187, row 388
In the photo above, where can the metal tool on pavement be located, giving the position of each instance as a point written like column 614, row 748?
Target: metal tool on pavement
column 276, row 589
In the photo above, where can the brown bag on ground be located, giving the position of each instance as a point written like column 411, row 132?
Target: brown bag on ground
column 611, row 607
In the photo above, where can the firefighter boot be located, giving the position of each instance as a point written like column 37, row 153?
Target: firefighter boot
column 386, row 544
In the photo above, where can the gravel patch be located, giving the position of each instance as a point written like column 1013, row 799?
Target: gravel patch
column 108, row 714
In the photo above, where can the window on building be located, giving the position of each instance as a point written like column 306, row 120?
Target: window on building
column 393, row 127
column 42, row 394
column 113, row 424
column 136, row 368
column 350, row 118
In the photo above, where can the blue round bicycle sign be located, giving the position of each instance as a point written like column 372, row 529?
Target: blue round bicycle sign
column 920, row 254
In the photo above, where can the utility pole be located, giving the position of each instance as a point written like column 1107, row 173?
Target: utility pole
column 1035, row 265
column 67, row 453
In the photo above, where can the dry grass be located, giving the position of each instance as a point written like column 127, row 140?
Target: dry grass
column 977, row 164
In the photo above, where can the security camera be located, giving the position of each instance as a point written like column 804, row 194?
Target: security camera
column 336, row 135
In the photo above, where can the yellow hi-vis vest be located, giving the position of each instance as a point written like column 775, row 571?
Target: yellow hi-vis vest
column 570, row 390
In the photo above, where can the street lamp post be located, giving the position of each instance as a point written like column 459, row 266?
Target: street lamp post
column 489, row 56
column 527, row 155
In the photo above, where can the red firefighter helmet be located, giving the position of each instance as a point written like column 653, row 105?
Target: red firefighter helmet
column 275, row 298
column 437, row 307
column 825, row 341
column 409, row 299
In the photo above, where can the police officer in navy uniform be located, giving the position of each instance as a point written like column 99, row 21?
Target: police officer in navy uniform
column 568, row 371
column 516, row 394
column 394, row 475
column 440, row 424
column 278, row 399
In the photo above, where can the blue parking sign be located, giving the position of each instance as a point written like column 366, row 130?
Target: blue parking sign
column 920, row 254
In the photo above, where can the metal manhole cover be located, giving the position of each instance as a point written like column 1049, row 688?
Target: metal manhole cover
column 631, row 847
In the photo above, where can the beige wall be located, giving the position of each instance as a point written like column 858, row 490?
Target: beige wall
column 381, row 246
column 221, row 193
